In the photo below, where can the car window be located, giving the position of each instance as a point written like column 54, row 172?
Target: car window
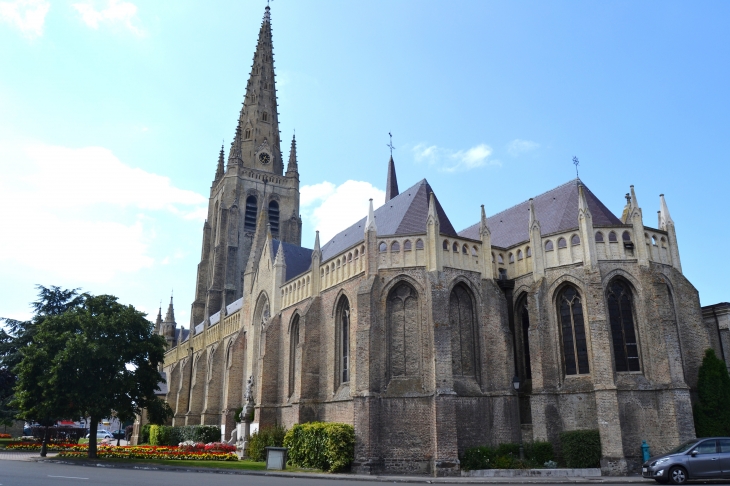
column 706, row 447
column 724, row 445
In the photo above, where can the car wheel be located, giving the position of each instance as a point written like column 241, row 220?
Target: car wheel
column 678, row 475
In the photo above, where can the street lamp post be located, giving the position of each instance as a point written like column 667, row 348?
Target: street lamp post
column 516, row 384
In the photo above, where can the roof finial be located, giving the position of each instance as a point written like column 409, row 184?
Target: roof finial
column 576, row 162
column 390, row 144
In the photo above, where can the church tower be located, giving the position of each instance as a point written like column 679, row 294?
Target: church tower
column 252, row 181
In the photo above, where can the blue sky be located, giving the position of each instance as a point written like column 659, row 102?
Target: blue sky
column 112, row 113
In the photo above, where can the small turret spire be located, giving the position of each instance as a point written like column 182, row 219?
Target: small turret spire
column 370, row 222
column 317, row 248
column 293, row 166
column 664, row 218
column 279, row 260
column 170, row 317
column 158, row 321
column 219, row 170
column 483, row 226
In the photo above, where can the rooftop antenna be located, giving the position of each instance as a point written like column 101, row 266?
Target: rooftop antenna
column 390, row 144
column 575, row 163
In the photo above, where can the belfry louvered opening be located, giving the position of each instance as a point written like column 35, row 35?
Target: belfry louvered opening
column 249, row 222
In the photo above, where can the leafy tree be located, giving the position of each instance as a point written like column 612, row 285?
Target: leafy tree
column 158, row 412
column 712, row 412
column 93, row 360
column 51, row 301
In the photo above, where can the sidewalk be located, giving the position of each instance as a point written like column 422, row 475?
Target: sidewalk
column 22, row 455
column 357, row 477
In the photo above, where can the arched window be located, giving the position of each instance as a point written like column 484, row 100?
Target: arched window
column 626, row 236
column 623, row 334
column 474, row 251
column 464, row 339
column 548, row 245
column 500, row 259
column 612, row 236
column 342, row 333
column 511, row 258
column 357, row 255
column 247, row 134
column 575, row 240
column 407, row 245
column 383, row 247
column 664, row 242
column 274, row 217
column 265, row 116
column 419, row 244
column 249, row 220
column 522, row 321
column 562, row 243
column 403, row 336
column 446, row 245
column 653, row 240
column 293, row 345
column 455, row 247
column 599, row 237
column 519, row 255
column 395, row 247
column 529, row 252
column 493, row 258
column 349, row 257
column 465, row 250
column 575, row 347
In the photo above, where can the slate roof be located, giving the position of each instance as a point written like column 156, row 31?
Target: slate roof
column 298, row 259
column 556, row 210
column 405, row 214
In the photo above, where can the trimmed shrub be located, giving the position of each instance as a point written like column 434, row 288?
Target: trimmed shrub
column 195, row 433
column 480, row 457
column 144, row 434
column 160, row 435
column 581, row 448
column 711, row 412
column 540, row 452
column 321, row 445
column 267, row 437
column 506, row 456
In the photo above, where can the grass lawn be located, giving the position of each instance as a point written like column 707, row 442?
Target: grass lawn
column 245, row 465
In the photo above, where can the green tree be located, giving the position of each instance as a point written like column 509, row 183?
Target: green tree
column 158, row 412
column 712, row 410
column 91, row 361
column 52, row 301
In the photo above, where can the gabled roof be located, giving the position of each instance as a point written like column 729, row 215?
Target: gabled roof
column 405, row 214
column 556, row 210
column 298, row 259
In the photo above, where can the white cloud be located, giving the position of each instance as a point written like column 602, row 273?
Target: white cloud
column 518, row 147
column 454, row 161
column 82, row 213
column 27, row 15
column 330, row 209
column 116, row 11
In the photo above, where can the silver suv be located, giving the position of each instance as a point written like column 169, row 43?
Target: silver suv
column 707, row 458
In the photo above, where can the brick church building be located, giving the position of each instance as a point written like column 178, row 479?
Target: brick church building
column 413, row 332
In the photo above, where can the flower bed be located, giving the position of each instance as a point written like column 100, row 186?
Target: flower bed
column 203, row 453
column 6, row 436
column 36, row 446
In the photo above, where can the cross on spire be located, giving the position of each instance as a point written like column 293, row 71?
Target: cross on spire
column 390, row 144
column 575, row 163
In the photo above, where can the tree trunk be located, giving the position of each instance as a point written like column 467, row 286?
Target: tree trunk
column 44, row 443
column 93, row 427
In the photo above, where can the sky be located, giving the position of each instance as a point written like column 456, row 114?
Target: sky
column 112, row 114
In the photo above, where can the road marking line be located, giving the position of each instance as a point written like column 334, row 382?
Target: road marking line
column 65, row 477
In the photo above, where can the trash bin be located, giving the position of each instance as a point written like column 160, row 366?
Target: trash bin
column 276, row 457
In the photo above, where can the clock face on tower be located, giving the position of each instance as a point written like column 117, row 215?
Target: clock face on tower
column 264, row 158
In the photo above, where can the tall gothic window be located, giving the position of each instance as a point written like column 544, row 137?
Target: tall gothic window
column 249, row 221
column 342, row 334
column 623, row 334
column 464, row 343
column 293, row 345
column 403, row 337
column 522, row 319
column 274, row 217
column 575, row 347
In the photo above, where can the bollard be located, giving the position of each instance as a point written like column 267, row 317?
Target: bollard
column 645, row 450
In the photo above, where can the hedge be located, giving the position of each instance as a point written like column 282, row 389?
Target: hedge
column 267, row 437
column 506, row 456
column 328, row 446
column 163, row 435
column 581, row 448
column 144, row 434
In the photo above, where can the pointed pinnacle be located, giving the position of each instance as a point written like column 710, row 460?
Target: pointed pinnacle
column 370, row 222
column 391, row 185
column 483, row 225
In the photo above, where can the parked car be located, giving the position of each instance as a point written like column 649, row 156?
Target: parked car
column 118, row 434
column 101, row 434
column 704, row 458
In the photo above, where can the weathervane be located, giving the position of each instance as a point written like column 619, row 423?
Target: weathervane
column 575, row 163
column 390, row 144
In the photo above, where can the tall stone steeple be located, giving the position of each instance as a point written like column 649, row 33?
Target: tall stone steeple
column 256, row 144
column 167, row 329
column 292, row 170
column 219, row 169
column 391, row 186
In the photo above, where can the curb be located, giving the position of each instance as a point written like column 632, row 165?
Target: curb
column 353, row 477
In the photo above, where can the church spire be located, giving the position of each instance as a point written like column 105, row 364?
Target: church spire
column 219, row 170
column 391, row 186
column 256, row 144
column 292, row 167
column 170, row 317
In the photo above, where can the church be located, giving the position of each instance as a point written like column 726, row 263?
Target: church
column 549, row 316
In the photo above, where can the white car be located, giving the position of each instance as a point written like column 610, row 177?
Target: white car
column 101, row 434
